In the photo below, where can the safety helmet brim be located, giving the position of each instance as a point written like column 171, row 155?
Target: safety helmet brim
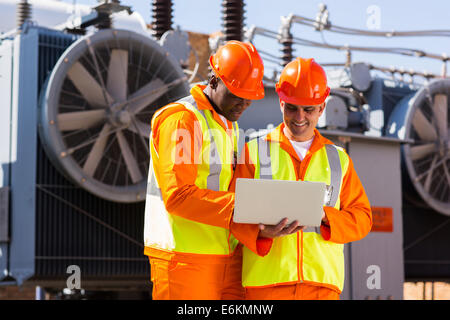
column 301, row 101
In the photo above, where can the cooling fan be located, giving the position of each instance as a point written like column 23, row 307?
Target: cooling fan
column 96, row 108
column 423, row 117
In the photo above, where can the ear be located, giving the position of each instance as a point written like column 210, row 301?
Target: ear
column 282, row 103
column 213, row 82
column 321, row 108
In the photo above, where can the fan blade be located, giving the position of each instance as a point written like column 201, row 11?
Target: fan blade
column 440, row 109
column 447, row 174
column 140, row 128
column 117, row 75
column 423, row 127
column 130, row 161
column 80, row 120
column 88, row 86
column 429, row 175
column 139, row 104
column 96, row 153
column 419, row 152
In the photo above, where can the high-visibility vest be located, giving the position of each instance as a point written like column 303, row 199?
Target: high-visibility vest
column 304, row 256
column 173, row 233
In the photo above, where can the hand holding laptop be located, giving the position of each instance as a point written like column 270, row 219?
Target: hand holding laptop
column 280, row 229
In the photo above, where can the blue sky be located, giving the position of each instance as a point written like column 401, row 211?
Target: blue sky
column 400, row 15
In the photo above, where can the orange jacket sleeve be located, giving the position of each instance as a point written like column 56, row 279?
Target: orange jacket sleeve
column 178, row 140
column 247, row 234
column 354, row 220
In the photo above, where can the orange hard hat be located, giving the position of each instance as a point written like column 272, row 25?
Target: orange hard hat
column 303, row 82
column 241, row 69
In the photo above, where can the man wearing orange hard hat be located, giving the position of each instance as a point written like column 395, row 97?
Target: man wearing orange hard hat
column 194, row 146
column 294, row 261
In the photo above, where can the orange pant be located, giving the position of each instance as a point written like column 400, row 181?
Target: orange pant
column 292, row 292
column 174, row 280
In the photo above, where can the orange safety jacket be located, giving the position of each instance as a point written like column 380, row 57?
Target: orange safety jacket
column 186, row 218
column 349, row 220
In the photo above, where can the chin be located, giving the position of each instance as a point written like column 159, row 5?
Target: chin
column 233, row 118
column 301, row 134
column 297, row 131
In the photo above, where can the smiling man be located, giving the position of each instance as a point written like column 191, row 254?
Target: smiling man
column 300, row 121
column 291, row 261
column 194, row 145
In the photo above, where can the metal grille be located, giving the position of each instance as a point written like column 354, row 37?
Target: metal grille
column 425, row 239
column 73, row 227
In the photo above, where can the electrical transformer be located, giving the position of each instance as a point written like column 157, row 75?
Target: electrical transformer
column 75, row 127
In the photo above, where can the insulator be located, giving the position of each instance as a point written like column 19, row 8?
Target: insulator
column 162, row 17
column 286, row 49
column 233, row 19
column 23, row 13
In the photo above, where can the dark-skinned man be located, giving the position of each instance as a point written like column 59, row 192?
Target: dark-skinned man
column 194, row 146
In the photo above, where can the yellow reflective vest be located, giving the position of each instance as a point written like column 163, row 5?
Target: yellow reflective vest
column 172, row 233
column 304, row 256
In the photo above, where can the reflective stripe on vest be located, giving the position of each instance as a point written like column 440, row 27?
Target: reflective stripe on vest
column 335, row 181
column 239, row 142
column 322, row 261
column 174, row 233
column 265, row 163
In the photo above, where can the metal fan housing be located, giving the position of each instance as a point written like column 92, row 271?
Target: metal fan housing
column 423, row 118
column 96, row 109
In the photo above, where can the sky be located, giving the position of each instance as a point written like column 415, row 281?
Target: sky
column 205, row 16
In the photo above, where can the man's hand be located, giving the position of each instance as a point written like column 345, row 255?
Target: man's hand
column 325, row 219
column 279, row 230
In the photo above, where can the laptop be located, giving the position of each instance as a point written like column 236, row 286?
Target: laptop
column 269, row 201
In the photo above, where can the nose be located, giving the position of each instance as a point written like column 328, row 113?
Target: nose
column 247, row 102
column 244, row 103
column 300, row 115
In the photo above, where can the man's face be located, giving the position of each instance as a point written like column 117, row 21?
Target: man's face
column 300, row 121
column 231, row 106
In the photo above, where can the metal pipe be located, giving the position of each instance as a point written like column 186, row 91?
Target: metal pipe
column 444, row 66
